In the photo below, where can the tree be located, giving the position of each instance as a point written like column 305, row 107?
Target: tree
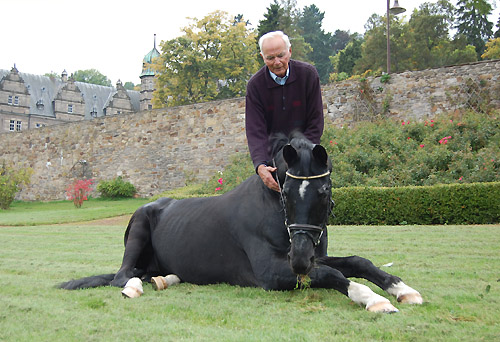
column 422, row 42
column 212, row 60
column 497, row 33
column 283, row 15
column 129, row 86
column 310, row 22
column 492, row 49
column 472, row 22
column 91, row 76
column 345, row 60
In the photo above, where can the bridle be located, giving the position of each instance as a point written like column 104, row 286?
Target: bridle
column 302, row 228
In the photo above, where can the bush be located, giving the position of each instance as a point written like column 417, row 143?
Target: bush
column 476, row 203
column 10, row 181
column 444, row 150
column 78, row 191
column 116, row 188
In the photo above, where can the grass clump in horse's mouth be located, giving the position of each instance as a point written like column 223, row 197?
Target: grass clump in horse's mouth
column 303, row 282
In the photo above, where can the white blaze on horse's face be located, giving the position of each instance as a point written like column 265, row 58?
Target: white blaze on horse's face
column 302, row 189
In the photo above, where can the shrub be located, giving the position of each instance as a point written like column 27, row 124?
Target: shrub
column 476, row 203
column 10, row 181
column 116, row 188
column 78, row 191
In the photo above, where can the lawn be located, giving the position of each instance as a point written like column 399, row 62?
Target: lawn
column 36, row 213
column 456, row 268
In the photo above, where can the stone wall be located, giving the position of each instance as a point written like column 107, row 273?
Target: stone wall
column 158, row 150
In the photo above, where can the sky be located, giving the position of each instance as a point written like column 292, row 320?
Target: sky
column 113, row 36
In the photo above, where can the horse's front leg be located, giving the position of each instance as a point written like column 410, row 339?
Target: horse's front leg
column 323, row 276
column 355, row 266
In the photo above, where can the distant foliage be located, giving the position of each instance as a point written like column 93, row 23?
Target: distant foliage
column 11, row 179
column 116, row 188
column 447, row 149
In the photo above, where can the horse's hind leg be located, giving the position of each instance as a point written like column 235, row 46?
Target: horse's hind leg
column 137, row 247
column 355, row 266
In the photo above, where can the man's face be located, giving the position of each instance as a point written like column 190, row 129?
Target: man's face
column 276, row 55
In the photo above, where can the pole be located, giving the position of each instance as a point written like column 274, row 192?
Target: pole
column 388, row 41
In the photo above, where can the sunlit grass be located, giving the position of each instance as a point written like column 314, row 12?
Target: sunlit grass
column 454, row 267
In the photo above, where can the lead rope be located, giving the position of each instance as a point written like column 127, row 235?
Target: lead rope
column 282, row 199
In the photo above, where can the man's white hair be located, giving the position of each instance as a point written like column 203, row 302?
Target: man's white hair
column 272, row 35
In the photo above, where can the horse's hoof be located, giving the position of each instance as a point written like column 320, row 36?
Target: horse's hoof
column 382, row 307
column 133, row 288
column 161, row 283
column 410, row 298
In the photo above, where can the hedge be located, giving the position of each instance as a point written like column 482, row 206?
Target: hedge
column 473, row 203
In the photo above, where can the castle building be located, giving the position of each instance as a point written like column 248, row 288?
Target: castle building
column 30, row 101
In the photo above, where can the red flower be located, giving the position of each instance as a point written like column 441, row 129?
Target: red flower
column 421, row 145
column 220, row 181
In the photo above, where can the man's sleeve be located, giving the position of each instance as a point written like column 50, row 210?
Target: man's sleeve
column 256, row 129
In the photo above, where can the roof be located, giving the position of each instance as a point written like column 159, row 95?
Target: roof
column 148, row 59
column 43, row 90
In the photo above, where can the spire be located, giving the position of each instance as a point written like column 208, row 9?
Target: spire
column 154, row 46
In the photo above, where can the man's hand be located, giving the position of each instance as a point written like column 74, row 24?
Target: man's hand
column 267, row 177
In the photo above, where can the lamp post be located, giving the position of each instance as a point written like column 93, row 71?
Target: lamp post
column 396, row 9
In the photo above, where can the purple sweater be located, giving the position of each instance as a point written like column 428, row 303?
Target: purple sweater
column 272, row 108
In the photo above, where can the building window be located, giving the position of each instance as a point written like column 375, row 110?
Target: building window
column 9, row 101
column 15, row 125
column 93, row 113
column 16, row 100
column 70, row 108
column 150, row 107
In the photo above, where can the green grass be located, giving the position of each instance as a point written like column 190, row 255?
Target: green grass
column 37, row 213
column 456, row 268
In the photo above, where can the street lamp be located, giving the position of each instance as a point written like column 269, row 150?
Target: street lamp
column 396, row 9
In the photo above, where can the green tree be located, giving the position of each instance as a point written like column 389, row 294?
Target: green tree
column 345, row 60
column 92, row 76
column 11, row 179
column 283, row 15
column 497, row 33
column 472, row 22
column 310, row 22
column 212, row 60
column 129, row 86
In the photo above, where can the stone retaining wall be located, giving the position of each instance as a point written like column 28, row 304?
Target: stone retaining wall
column 158, row 150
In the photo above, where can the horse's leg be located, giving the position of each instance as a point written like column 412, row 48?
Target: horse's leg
column 327, row 277
column 139, row 236
column 355, row 266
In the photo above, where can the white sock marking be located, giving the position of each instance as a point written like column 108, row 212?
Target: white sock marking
column 400, row 289
column 363, row 295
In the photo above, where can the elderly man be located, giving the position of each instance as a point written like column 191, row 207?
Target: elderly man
column 282, row 96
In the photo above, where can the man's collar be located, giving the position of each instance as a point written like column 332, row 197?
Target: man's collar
column 280, row 80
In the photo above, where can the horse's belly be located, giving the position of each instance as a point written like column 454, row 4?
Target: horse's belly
column 202, row 253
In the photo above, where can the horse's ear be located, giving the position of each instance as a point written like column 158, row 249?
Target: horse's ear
column 289, row 154
column 320, row 154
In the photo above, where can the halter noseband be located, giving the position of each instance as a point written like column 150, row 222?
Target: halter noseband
column 302, row 228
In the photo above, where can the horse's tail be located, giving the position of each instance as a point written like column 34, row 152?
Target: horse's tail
column 87, row 282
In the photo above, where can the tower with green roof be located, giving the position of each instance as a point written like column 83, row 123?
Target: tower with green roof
column 147, row 78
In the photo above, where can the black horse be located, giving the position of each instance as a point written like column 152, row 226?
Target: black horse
column 253, row 236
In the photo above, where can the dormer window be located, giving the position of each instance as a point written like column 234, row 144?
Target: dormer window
column 39, row 104
column 93, row 113
column 70, row 108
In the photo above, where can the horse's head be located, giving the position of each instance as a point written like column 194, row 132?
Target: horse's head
column 306, row 193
